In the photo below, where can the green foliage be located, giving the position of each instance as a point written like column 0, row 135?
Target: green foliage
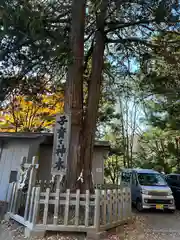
column 163, row 85
column 113, row 167
column 114, row 163
column 160, row 91
column 33, row 41
column 34, row 37
column 159, row 149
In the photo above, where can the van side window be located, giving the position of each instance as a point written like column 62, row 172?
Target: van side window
column 126, row 177
column 123, row 177
column 134, row 179
column 13, row 176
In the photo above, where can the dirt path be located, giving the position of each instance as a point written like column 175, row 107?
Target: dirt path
column 164, row 225
column 154, row 226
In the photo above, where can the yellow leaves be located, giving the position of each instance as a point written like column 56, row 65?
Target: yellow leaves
column 24, row 114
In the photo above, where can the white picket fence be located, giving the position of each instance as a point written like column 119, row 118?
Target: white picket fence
column 56, row 211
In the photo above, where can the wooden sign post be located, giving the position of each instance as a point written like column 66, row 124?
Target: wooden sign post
column 60, row 145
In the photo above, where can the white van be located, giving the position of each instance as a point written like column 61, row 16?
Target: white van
column 148, row 189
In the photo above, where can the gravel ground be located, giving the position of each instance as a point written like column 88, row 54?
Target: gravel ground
column 152, row 226
column 155, row 226
column 147, row 226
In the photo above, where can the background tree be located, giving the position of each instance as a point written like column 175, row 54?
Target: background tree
column 22, row 113
column 129, row 126
column 33, row 41
column 159, row 83
column 115, row 161
column 159, row 149
column 113, row 167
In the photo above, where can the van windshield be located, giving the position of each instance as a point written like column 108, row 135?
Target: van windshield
column 151, row 179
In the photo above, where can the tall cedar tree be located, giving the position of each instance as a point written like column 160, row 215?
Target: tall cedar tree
column 35, row 37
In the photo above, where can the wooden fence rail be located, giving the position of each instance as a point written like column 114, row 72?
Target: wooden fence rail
column 68, row 211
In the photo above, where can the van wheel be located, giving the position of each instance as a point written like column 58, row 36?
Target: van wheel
column 139, row 205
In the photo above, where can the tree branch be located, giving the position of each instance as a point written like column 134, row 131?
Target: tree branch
column 120, row 25
column 88, row 55
column 133, row 40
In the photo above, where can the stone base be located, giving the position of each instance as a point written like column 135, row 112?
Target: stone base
column 28, row 233
column 3, row 209
column 6, row 217
column 96, row 236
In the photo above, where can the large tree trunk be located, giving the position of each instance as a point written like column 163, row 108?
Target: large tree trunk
column 83, row 130
column 74, row 92
column 94, row 91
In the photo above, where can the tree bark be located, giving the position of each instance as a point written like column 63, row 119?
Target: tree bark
column 83, row 130
column 94, row 91
column 123, row 133
column 74, row 92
